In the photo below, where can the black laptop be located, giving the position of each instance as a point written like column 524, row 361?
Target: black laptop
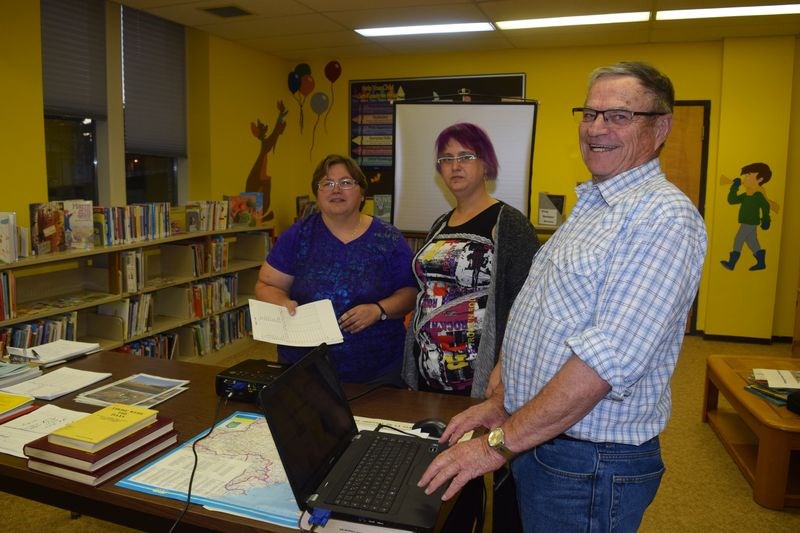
column 320, row 447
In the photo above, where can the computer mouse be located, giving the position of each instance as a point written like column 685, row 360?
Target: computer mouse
column 432, row 426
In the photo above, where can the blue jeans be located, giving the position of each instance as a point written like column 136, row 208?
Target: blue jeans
column 578, row 486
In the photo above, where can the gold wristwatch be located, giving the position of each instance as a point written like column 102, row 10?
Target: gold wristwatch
column 497, row 441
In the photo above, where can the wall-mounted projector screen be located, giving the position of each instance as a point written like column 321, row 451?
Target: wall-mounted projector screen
column 419, row 193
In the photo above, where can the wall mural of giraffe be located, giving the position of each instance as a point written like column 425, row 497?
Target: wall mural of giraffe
column 259, row 180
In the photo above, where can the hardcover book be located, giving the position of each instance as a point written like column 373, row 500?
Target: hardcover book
column 47, row 228
column 8, row 237
column 110, row 470
column 245, row 209
column 42, row 449
column 257, row 201
column 177, row 219
column 192, row 218
column 103, row 428
column 79, row 224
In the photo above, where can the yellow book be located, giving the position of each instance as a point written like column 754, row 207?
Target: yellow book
column 102, row 428
column 10, row 403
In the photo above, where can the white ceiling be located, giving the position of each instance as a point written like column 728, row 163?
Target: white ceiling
column 308, row 29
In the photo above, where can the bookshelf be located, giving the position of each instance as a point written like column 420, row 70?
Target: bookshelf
column 191, row 288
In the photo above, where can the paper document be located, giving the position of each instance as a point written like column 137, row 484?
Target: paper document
column 777, row 379
column 144, row 390
column 55, row 352
column 312, row 324
column 57, row 383
column 15, row 434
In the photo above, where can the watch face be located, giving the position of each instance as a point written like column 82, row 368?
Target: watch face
column 496, row 438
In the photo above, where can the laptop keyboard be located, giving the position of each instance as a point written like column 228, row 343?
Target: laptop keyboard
column 375, row 482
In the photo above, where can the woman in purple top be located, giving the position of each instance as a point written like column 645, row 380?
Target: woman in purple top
column 359, row 262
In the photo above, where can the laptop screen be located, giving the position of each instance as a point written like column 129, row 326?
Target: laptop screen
column 310, row 421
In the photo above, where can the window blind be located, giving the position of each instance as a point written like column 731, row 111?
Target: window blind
column 74, row 57
column 153, row 85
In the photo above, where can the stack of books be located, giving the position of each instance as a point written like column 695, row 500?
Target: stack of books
column 773, row 385
column 13, row 373
column 14, row 405
column 102, row 445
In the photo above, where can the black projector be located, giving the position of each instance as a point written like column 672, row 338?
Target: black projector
column 242, row 382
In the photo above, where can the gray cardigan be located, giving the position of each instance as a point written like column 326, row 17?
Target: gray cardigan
column 515, row 244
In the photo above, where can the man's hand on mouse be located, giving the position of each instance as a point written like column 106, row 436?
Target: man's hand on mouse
column 489, row 414
column 462, row 462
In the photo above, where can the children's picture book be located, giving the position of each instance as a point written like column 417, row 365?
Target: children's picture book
column 242, row 210
column 8, row 237
column 177, row 219
column 383, row 207
column 78, row 224
column 47, row 228
column 256, row 205
column 192, row 218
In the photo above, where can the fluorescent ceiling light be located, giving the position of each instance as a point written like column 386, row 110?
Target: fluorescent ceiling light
column 745, row 11
column 419, row 30
column 611, row 18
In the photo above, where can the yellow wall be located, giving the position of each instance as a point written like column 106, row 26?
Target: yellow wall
column 754, row 127
column 231, row 86
column 24, row 179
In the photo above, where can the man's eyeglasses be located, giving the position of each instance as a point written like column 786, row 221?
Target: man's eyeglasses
column 617, row 117
column 344, row 184
column 452, row 159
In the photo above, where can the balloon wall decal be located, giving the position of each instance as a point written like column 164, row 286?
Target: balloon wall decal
column 301, row 84
column 319, row 104
column 332, row 71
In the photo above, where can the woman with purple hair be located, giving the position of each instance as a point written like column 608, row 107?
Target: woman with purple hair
column 470, row 268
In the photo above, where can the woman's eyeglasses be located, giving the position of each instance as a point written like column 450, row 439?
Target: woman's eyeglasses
column 344, row 184
column 453, row 159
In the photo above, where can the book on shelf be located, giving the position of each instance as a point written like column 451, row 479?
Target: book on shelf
column 8, row 237
column 112, row 469
column 177, row 219
column 192, row 217
column 13, row 403
column 78, row 224
column 245, row 209
column 103, row 428
column 47, row 228
column 44, row 450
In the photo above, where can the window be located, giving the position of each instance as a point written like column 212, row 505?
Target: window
column 154, row 102
column 150, row 178
column 70, row 153
column 74, row 86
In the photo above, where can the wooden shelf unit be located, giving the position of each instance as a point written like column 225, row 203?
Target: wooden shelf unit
column 79, row 281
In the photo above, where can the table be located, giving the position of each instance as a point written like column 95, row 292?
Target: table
column 762, row 438
column 192, row 412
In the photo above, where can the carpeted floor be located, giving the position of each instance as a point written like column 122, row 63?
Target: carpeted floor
column 702, row 491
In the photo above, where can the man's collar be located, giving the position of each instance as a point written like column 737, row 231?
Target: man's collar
column 615, row 188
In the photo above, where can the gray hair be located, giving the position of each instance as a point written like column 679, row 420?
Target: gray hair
column 656, row 83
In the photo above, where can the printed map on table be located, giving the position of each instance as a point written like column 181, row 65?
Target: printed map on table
column 238, row 471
